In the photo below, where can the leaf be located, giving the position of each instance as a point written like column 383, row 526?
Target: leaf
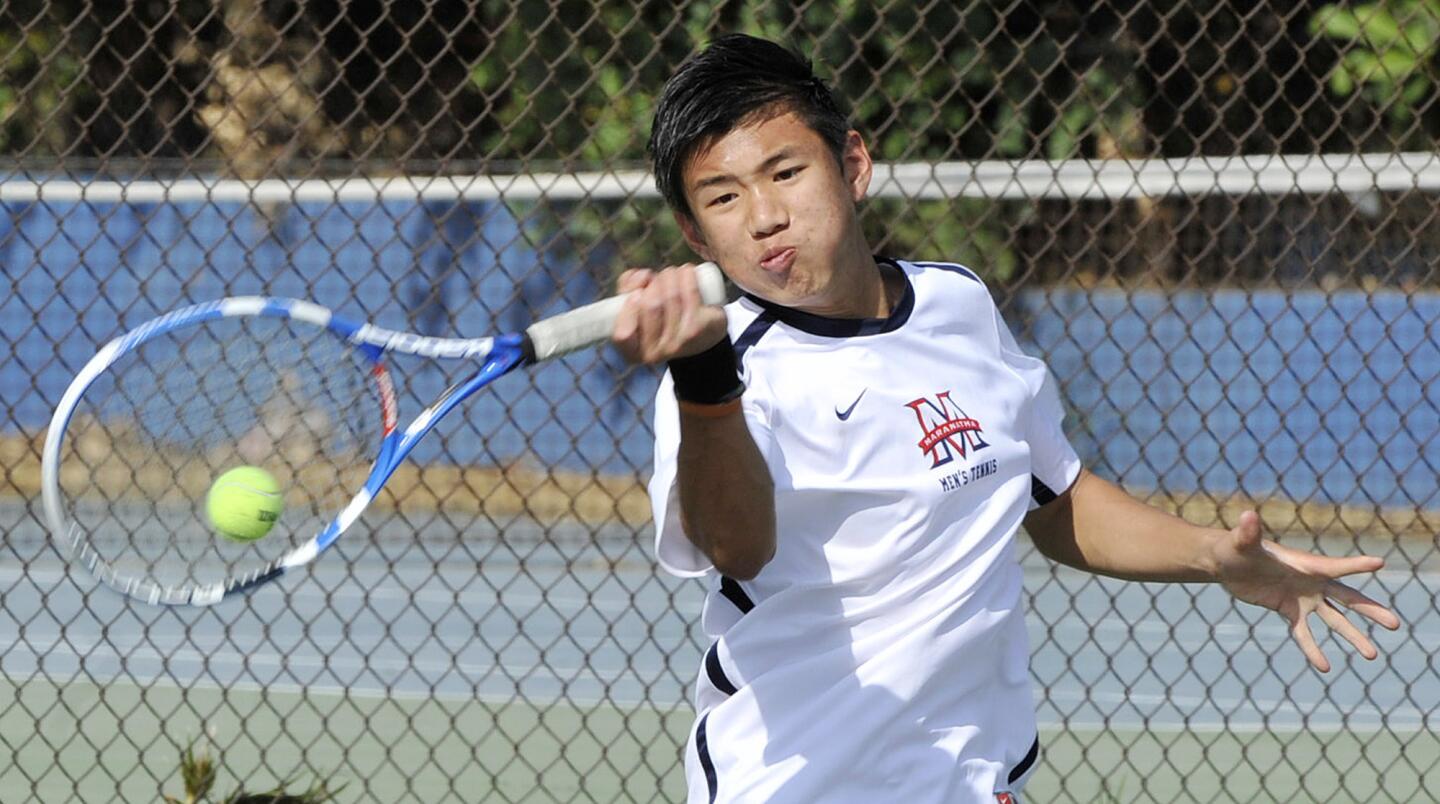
column 1342, row 83
column 1333, row 22
column 1072, row 127
column 198, row 771
column 611, row 82
column 1421, row 34
column 1398, row 65
column 1363, row 66
column 1415, row 89
column 1379, row 27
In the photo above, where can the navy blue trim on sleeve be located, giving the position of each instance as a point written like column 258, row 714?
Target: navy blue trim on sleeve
column 1040, row 492
column 702, row 748
column 753, row 334
column 730, row 589
column 951, row 266
column 1024, row 764
column 716, row 673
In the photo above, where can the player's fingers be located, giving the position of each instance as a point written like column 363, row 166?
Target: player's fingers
column 690, row 275
column 1300, row 632
column 688, row 290
column 633, row 280
column 627, row 328
column 1362, row 604
column 1350, row 565
column 1247, row 533
column 673, row 284
column 634, row 320
column 1340, row 625
column 662, row 288
column 1316, row 565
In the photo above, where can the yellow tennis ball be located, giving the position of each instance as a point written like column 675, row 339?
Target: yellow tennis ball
column 244, row 503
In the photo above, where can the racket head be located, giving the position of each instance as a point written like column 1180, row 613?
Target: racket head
column 159, row 413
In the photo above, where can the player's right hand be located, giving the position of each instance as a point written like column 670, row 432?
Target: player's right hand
column 664, row 318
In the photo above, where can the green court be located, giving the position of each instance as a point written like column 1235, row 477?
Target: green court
column 408, row 749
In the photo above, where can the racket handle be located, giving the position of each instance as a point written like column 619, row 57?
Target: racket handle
column 593, row 323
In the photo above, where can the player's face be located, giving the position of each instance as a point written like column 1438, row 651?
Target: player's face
column 773, row 207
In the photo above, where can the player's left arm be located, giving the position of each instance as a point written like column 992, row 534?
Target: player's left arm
column 1097, row 527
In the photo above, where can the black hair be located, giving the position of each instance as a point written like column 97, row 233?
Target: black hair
column 732, row 82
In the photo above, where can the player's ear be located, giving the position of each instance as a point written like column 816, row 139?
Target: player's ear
column 691, row 230
column 856, row 163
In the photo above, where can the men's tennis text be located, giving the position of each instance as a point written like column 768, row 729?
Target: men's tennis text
column 969, row 475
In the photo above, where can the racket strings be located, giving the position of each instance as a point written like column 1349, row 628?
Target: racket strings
column 154, row 431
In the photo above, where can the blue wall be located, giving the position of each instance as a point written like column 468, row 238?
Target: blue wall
column 1309, row 395
column 80, row 274
column 1305, row 394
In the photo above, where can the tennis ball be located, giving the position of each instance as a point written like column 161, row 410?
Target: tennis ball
column 244, row 503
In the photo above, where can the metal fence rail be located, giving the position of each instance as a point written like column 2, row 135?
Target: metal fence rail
column 1216, row 222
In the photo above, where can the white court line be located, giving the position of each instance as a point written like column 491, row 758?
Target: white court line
column 358, row 591
column 569, row 674
column 1237, row 727
column 1430, row 578
column 491, row 699
column 677, row 603
column 521, row 672
column 1188, row 635
column 1268, row 706
column 332, row 691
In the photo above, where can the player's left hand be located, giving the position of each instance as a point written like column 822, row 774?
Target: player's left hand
column 1297, row 584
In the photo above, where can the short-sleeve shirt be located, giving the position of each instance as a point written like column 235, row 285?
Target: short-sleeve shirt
column 881, row 655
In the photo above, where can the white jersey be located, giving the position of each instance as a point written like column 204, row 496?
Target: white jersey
column 881, row 655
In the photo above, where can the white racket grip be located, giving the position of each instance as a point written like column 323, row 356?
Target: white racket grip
column 593, row 323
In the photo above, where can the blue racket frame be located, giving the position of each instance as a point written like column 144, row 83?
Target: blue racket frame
column 499, row 356
column 544, row 340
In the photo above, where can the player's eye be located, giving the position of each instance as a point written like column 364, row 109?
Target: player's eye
column 721, row 200
column 788, row 173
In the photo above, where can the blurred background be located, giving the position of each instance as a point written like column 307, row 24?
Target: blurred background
column 1216, row 222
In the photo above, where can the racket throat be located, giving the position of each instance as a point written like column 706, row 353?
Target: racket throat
column 526, row 346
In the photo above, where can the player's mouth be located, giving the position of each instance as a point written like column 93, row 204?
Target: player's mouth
column 777, row 260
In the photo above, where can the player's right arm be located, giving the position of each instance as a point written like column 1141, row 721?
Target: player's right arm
column 727, row 498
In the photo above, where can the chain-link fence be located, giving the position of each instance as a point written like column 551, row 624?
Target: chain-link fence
column 1217, row 222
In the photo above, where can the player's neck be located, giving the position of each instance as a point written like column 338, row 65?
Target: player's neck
column 892, row 288
column 862, row 288
column 877, row 289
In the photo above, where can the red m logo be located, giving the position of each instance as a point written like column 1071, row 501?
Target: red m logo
column 946, row 428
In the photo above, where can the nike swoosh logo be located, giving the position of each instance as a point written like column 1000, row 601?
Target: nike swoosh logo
column 846, row 415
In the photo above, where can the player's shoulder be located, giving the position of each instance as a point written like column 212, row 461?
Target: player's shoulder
column 951, row 282
column 941, row 272
column 749, row 322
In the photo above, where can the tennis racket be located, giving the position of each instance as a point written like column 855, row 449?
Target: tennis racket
column 285, row 385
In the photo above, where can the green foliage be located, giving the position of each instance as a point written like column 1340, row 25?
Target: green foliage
column 570, row 81
column 575, row 84
column 971, row 231
column 1390, row 47
column 39, row 77
column 506, row 86
column 198, row 773
column 1103, row 106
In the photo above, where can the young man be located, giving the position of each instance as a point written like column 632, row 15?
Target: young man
column 852, row 446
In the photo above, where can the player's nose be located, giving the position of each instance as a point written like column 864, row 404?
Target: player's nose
column 768, row 214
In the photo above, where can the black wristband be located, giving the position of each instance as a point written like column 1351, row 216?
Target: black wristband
column 709, row 378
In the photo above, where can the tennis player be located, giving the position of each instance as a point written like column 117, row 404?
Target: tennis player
column 848, row 451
